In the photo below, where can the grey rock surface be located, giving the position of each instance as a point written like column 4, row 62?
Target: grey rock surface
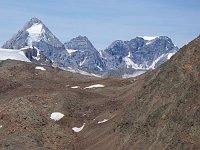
column 84, row 56
column 139, row 53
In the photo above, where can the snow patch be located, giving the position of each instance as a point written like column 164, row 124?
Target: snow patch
column 56, row 116
column 38, row 54
column 81, row 63
column 149, row 42
column 149, row 38
column 13, row 54
column 35, row 32
column 40, row 68
column 75, row 87
column 100, row 68
column 35, row 29
column 130, row 63
column 170, row 55
column 1, row 126
column 70, row 51
column 105, row 120
column 95, row 86
column 77, row 129
column 155, row 61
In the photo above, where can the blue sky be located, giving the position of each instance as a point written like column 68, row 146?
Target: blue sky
column 104, row 21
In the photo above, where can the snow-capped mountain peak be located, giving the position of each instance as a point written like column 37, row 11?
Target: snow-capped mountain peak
column 36, row 38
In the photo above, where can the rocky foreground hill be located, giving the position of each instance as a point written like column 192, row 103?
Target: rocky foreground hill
column 157, row 110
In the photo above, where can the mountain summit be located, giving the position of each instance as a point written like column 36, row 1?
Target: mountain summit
column 84, row 56
column 139, row 53
column 80, row 43
column 35, row 35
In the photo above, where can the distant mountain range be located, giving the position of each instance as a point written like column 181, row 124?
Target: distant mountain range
column 121, row 58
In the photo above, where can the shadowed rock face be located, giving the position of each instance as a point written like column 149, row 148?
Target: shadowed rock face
column 157, row 110
column 165, row 113
column 85, row 57
column 139, row 53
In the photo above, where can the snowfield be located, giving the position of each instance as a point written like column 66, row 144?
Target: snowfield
column 56, row 116
column 76, row 129
column 13, row 54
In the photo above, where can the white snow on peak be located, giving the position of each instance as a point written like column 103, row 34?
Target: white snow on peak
column 149, row 38
column 95, row 86
column 105, row 120
column 56, row 116
column 40, row 68
column 78, row 129
column 1, row 126
column 35, row 29
column 13, row 54
column 35, row 33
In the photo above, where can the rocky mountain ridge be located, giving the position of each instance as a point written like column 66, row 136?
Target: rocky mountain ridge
column 42, row 47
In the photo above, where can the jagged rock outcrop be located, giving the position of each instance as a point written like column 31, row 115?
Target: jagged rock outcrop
column 84, row 56
column 139, row 53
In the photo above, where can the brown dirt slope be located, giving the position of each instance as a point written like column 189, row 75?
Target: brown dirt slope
column 29, row 96
column 165, row 114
